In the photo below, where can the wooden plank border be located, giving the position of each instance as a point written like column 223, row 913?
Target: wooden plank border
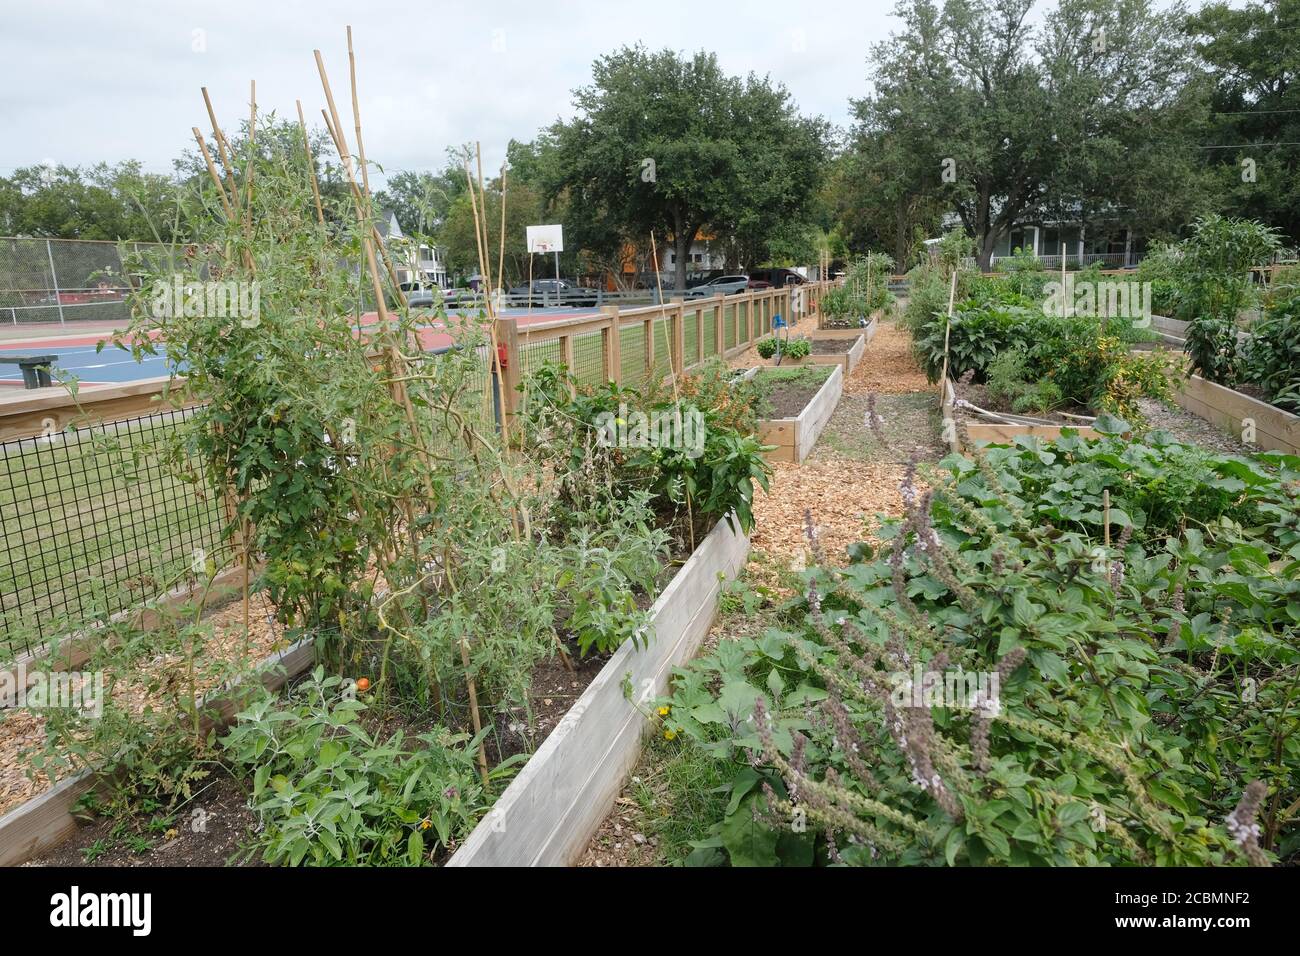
column 794, row 438
column 549, row 812
column 1275, row 429
column 988, row 433
column 847, row 360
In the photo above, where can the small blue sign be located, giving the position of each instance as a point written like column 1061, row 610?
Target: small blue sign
column 778, row 322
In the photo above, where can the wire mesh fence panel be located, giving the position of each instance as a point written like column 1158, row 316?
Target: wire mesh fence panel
column 710, row 333
column 95, row 521
column 632, row 346
column 533, row 355
column 664, row 346
column 690, row 338
column 589, row 358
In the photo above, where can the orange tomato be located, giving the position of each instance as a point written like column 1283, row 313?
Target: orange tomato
column 363, row 684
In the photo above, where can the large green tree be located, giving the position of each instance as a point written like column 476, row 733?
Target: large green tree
column 1009, row 123
column 1253, row 54
column 97, row 202
column 674, row 145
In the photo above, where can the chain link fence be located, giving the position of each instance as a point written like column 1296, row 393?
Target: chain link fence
column 57, row 281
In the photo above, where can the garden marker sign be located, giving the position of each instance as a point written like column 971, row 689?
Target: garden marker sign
column 546, row 238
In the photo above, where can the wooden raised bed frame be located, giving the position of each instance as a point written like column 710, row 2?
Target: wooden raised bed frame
column 846, row 360
column 1275, row 429
column 794, row 437
column 983, row 432
column 550, row 811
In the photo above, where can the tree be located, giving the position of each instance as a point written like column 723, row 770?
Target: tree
column 671, row 144
column 1253, row 55
column 422, row 200
column 1008, row 123
column 111, row 203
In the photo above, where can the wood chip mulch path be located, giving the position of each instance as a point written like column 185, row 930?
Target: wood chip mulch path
column 849, row 478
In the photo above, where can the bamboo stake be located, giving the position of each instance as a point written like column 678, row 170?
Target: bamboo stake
column 481, row 242
column 220, row 140
column 947, row 329
column 212, row 172
column 396, row 363
column 311, row 164
column 1105, row 515
column 501, row 256
column 365, row 172
column 677, row 400
column 340, row 146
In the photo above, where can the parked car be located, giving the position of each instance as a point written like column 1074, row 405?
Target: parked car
column 722, row 285
column 758, row 284
column 778, row 277
column 542, row 292
column 700, row 278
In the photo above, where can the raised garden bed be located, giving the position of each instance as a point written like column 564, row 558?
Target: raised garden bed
column 1236, row 412
column 46, row 820
column 982, row 430
column 839, row 350
column 798, row 412
column 547, row 814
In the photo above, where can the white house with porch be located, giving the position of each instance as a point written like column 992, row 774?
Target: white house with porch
column 414, row 263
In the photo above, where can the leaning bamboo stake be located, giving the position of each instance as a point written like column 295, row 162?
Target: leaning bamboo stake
column 311, row 164
column 480, row 235
column 220, row 140
column 396, row 364
column 677, row 399
column 356, row 194
column 501, row 256
column 213, row 174
column 365, row 171
column 947, row 329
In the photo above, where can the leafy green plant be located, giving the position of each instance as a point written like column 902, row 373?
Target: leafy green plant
column 328, row 792
column 1117, row 730
column 766, row 347
column 1009, row 379
column 702, row 483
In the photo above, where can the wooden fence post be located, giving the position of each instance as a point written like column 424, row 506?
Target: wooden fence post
column 512, row 372
column 676, row 323
column 611, row 346
column 719, row 326
column 566, row 356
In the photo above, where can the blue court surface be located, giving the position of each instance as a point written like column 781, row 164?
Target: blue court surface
column 77, row 354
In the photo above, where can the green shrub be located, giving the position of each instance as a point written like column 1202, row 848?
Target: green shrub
column 329, row 793
column 1100, row 719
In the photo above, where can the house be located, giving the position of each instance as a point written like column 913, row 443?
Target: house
column 1110, row 241
column 705, row 255
column 415, row 263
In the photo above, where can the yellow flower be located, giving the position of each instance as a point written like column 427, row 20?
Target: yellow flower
column 171, row 834
column 670, row 734
column 663, row 711
column 425, row 824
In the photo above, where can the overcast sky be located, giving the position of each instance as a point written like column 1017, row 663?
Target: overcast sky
column 87, row 81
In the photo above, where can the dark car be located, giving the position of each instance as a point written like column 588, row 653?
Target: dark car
column 778, row 277
column 544, row 292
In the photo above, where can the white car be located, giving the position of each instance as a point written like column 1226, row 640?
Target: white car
column 722, row 285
